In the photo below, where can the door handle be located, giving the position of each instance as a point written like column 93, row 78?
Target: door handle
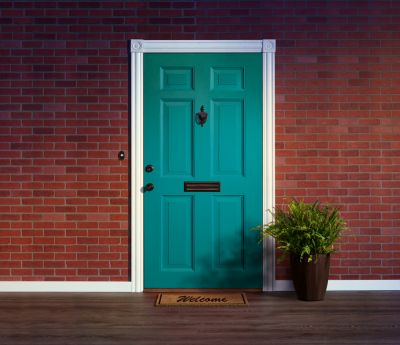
column 148, row 187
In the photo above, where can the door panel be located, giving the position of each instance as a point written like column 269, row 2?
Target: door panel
column 228, row 233
column 177, row 233
column 176, row 137
column 176, row 78
column 203, row 239
column 227, row 78
column 228, row 139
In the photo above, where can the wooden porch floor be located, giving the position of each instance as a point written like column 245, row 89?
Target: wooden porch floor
column 277, row 318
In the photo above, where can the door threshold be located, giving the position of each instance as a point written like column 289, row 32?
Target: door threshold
column 215, row 290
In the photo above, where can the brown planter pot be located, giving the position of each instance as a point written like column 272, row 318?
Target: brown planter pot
column 310, row 279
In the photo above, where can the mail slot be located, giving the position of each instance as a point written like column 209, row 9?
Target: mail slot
column 202, row 186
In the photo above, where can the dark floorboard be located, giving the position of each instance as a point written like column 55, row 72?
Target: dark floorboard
column 277, row 318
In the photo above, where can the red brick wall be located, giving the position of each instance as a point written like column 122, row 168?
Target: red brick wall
column 64, row 117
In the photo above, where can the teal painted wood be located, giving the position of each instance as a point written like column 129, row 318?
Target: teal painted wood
column 203, row 239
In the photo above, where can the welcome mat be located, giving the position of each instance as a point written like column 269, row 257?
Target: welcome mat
column 201, row 299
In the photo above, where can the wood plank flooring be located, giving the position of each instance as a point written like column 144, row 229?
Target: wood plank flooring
column 277, row 318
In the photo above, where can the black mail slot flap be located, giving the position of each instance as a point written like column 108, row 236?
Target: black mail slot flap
column 202, row 186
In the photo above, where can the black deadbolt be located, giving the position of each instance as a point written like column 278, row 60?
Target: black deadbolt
column 149, row 187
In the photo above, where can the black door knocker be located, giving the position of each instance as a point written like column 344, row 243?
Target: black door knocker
column 201, row 117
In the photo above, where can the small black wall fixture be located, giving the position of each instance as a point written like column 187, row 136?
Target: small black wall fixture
column 121, row 155
column 202, row 116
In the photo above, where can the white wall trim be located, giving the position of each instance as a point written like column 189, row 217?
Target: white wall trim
column 140, row 47
column 84, row 286
column 136, row 160
column 63, row 286
column 203, row 46
column 268, row 160
column 347, row 285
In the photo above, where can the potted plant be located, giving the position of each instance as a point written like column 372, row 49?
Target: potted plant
column 307, row 233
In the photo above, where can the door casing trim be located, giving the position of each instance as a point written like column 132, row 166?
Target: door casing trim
column 141, row 47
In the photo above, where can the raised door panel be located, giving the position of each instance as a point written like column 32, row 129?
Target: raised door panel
column 228, row 137
column 228, row 232
column 227, row 78
column 177, row 137
column 177, row 233
column 176, row 78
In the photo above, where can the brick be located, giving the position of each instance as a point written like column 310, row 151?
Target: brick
column 337, row 104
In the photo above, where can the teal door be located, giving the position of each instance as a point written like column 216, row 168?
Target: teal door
column 199, row 236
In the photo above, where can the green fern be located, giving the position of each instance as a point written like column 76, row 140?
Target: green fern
column 305, row 229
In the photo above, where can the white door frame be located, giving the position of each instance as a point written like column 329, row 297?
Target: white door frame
column 140, row 47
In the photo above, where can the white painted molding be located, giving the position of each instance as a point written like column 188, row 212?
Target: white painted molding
column 363, row 285
column 348, row 285
column 203, row 46
column 84, row 286
column 58, row 286
column 138, row 49
column 136, row 160
column 136, row 46
column 268, row 48
column 283, row 285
